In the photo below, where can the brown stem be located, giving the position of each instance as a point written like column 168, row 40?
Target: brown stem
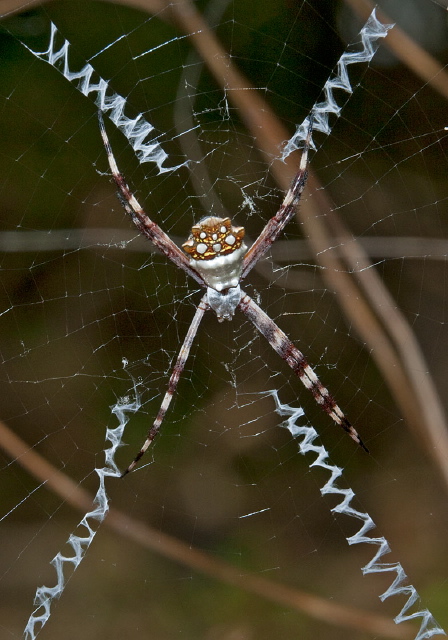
column 178, row 551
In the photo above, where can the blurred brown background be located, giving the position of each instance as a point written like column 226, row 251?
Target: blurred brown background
column 81, row 292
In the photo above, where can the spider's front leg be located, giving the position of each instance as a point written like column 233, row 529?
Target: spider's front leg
column 142, row 221
column 288, row 208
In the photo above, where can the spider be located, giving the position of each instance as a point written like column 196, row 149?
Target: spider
column 217, row 258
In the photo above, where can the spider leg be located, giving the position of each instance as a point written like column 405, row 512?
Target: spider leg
column 297, row 361
column 277, row 223
column 144, row 224
column 172, row 384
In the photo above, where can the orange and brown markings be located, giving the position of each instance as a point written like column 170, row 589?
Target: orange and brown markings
column 213, row 237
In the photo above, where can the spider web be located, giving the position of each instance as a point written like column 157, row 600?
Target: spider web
column 224, row 531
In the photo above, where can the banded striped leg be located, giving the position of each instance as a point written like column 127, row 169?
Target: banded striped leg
column 172, row 384
column 288, row 208
column 297, row 361
column 144, row 224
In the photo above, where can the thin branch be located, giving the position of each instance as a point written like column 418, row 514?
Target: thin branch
column 283, row 251
column 272, row 270
column 324, row 610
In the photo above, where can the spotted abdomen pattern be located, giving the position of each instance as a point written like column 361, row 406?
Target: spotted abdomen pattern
column 216, row 250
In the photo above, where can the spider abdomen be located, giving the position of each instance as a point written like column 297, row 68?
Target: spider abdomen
column 216, row 251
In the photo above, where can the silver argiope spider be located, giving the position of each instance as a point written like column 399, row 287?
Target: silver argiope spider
column 218, row 260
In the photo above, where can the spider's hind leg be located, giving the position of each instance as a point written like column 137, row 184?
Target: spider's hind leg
column 172, row 384
column 297, row 361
